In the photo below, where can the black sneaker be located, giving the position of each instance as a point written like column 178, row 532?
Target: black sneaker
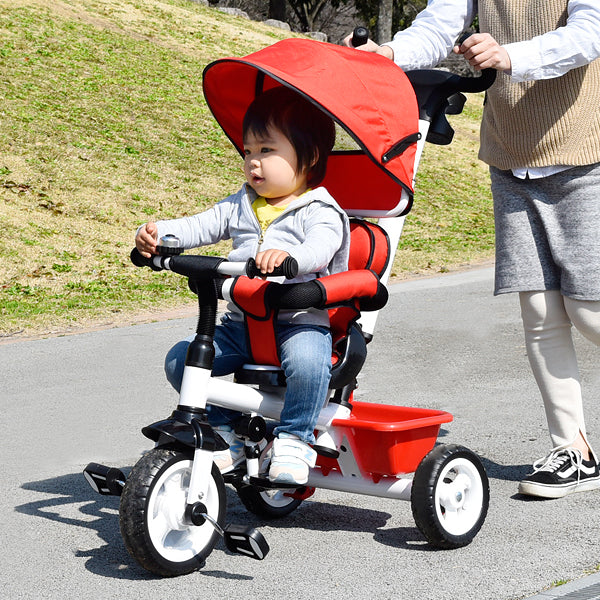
column 560, row 473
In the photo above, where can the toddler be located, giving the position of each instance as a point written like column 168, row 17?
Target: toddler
column 278, row 212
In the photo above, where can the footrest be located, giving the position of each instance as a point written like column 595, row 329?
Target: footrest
column 246, row 540
column 107, row 481
column 325, row 451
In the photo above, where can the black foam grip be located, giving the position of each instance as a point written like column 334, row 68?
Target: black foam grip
column 296, row 295
column 288, row 268
column 196, row 266
column 360, row 36
column 138, row 260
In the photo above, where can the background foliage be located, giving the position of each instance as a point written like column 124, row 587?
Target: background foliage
column 103, row 126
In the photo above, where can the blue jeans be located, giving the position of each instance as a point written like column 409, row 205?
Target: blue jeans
column 305, row 352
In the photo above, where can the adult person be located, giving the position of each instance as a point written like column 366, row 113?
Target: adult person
column 540, row 134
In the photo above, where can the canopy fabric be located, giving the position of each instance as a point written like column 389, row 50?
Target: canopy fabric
column 367, row 94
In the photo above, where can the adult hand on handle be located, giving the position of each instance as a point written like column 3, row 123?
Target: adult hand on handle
column 482, row 51
column 354, row 39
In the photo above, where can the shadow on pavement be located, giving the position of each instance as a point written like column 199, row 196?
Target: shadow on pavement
column 505, row 472
column 68, row 499
column 72, row 502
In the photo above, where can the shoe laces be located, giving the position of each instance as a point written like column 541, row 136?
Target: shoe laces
column 557, row 459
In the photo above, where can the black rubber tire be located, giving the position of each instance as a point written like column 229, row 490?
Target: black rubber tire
column 145, row 500
column 269, row 504
column 450, row 496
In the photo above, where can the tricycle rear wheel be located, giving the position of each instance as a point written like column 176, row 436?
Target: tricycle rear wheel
column 450, row 496
column 269, row 504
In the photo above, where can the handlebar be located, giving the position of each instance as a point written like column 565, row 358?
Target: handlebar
column 202, row 267
column 451, row 82
column 440, row 93
column 360, row 36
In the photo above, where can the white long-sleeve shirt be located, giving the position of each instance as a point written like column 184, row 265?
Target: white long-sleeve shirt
column 434, row 32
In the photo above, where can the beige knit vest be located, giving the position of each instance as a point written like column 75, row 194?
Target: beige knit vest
column 538, row 123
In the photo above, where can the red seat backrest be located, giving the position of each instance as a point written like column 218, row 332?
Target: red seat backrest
column 369, row 246
column 369, row 250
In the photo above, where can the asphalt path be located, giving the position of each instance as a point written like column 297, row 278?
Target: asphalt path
column 442, row 343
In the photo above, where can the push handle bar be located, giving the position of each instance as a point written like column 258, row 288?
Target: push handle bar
column 440, row 93
column 470, row 85
column 360, row 36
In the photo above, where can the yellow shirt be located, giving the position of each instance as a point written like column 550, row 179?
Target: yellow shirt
column 265, row 213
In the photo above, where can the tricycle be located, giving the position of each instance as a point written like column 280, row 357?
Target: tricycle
column 173, row 502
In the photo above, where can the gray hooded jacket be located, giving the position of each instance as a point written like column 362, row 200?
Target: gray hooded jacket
column 313, row 229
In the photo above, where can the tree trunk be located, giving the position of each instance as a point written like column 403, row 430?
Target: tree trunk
column 277, row 10
column 384, row 21
column 307, row 11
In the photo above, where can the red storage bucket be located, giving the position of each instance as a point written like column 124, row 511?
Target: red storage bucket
column 389, row 440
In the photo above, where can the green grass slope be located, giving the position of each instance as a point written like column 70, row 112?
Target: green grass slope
column 103, row 126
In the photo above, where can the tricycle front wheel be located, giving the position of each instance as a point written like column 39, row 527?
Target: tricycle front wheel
column 450, row 496
column 153, row 523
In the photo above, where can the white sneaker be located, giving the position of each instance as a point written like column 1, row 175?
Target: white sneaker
column 227, row 460
column 291, row 460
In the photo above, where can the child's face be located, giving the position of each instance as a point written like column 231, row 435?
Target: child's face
column 270, row 165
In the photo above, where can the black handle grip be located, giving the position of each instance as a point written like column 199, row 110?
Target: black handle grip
column 462, row 37
column 360, row 36
column 473, row 85
column 138, row 260
column 288, row 268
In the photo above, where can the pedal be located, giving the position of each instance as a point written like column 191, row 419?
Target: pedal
column 246, row 540
column 107, row 481
column 267, row 484
column 326, row 451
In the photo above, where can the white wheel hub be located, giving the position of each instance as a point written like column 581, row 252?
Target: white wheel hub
column 459, row 496
column 174, row 538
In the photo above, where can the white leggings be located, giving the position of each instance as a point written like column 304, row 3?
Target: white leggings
column 547, row 319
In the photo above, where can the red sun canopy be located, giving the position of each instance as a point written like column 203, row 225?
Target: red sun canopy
column 366, row 94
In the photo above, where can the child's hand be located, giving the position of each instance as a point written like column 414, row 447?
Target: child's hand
column 145, row 240
column 267, row 260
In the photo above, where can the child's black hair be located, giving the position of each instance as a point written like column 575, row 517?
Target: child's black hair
column 310, row 131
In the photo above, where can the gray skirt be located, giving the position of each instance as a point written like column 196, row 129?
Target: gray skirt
column 548, row 232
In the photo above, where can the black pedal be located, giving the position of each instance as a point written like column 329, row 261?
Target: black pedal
column 107, row 481
column 245, row 540
column 325, row 451
column 267, row 484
